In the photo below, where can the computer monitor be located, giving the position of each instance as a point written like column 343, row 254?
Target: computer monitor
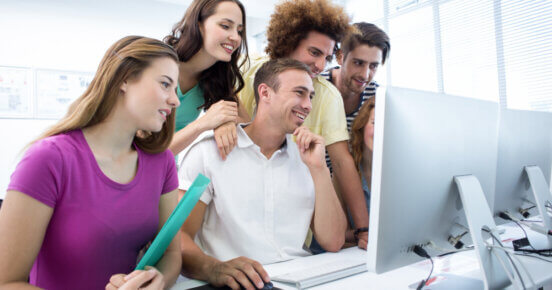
column 422, row 141
column 525, row 139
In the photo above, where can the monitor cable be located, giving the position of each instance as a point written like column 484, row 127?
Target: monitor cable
column 418, row 250
column 508, row 255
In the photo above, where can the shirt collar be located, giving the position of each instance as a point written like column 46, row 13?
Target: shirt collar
column 244, row 141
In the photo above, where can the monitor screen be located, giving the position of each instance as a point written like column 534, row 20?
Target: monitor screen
column 422, row 140
column 525, row 139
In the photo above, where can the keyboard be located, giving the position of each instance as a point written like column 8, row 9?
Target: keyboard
column 322, row 273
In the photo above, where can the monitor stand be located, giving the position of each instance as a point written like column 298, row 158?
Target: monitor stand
column 542, row 195
column 479, row 217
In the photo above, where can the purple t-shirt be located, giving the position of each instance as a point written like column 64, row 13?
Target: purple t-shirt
column 98, row 225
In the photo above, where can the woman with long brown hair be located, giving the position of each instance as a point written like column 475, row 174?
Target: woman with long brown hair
column 362, row 146
column 209, row 41
column 98, row 185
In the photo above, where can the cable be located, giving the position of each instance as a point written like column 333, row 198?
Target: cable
column 508, row 251
column 507, row 255
column 418, row 250
column 537, row 228
column 532, row 256
column 525, row 233
column 447, row 251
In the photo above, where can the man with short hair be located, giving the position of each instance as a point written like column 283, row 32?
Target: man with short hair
column 263, row 199
column 362, row 52
column 308, row 31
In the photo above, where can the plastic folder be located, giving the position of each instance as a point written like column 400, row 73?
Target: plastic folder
column 174, row 222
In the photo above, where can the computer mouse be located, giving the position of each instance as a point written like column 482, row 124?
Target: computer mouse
column 268, row 286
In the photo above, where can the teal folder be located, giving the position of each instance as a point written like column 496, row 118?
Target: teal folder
column 174, row 222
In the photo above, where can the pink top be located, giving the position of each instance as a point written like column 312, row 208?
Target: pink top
column 98, row 225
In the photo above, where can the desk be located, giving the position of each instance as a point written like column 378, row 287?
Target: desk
column 463, row 264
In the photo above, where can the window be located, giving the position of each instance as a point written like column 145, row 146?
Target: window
column 492, row 50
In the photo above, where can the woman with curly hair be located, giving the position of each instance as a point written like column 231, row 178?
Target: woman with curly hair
column 209, row 41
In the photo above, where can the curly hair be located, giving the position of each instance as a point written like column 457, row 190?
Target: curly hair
column 223, row 80
column 357, row 131
column 294, row 19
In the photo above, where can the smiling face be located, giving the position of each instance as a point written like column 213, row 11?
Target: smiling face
column 369, row 132
column 316, row 50
column 222, row 31
column 291, row 103
column 150, row 98
column 359, row 68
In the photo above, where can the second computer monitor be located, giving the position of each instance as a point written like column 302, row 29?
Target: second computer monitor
column 525, row 139
column 422, row 141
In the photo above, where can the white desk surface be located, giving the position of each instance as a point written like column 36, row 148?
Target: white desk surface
column 462, row 264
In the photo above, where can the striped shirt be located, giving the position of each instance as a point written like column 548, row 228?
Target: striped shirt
column 369, row 92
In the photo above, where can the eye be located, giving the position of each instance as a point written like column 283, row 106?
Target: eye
column 329, row 58
column 165, row 85
column 224, row 26
column 315, row 53
column 373, row 66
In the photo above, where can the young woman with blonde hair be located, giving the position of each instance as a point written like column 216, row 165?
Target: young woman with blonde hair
column 97, row 186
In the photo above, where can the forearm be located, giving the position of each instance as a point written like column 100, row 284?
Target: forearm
column 329, row 222
column 348, row 180
column 170, row 265
column 195, row 263
column 184, row 137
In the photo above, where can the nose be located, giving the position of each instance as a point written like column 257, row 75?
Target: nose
column 367, row 73
column 173, row 100
column 306, row 104
column 235, row 37
column 319, row 65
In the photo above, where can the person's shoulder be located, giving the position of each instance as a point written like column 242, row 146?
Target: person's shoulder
column 205, row 145
column 53, row 146
column 324, row 88
column 255, row 62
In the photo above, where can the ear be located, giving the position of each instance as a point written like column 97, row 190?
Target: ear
column 339, row 57
column 124, row 86
column 201, row 29
column 264, row 92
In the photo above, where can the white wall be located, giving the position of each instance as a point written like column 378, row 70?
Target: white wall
column 73, row 35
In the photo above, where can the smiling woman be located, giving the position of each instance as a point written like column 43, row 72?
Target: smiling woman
column 98, row 185
column 209, row 41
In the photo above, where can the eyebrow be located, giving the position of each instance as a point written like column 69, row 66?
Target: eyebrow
column 316, row 49
column 170, row 79
column 305, row 89
column 231, row 21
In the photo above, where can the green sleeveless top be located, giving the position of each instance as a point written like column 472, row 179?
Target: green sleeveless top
column 188, row 110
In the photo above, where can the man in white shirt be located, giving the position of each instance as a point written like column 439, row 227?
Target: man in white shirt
column 267, row 194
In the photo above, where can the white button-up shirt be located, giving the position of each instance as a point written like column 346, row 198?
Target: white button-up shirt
column 256, row 207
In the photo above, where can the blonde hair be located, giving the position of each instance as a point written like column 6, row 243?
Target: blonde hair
column 125, row 60
column 357, row 131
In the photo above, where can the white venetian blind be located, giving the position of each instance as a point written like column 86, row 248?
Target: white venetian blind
column 486, row 49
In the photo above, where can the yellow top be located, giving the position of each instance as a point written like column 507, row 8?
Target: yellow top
column 327, row 117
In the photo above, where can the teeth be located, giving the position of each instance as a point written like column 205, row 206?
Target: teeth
column 301, row 116
column 228, row 46
column 164, row 113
